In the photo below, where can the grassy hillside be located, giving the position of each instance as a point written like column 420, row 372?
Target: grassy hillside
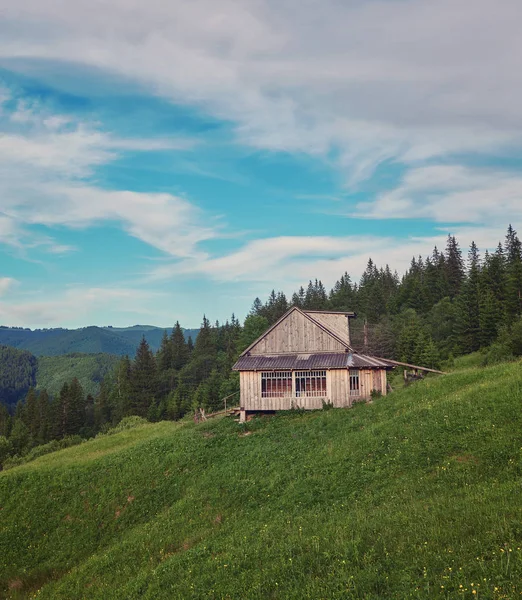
column 90, row 369
column 90, row 340
column 414, row 496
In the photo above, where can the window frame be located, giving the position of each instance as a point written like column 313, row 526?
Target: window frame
column 354, row 376
column 314, row 383
column 275, row 384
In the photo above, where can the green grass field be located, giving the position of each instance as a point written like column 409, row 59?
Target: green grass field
column 418, row 495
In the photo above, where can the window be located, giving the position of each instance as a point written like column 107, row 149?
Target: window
column 354, row 383
column 310, row 383
column 276, row 384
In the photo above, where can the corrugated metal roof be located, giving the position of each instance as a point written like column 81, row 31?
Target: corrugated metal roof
column 303, row 362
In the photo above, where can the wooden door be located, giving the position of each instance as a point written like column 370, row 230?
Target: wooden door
column 377, row 380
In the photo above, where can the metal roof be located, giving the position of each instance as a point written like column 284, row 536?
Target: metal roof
column 345, row 360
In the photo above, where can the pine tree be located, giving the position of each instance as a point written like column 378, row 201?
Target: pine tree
column 309, row 301
column 142, row 380
column 164, row 356
column 76, row 408
column 468, row 306
column 441, row 321
column 513, row 301
column 118, row 392
column 102, row 407
column 429, row 356
column 64, row 408
column 411, row 336
column 493, row 281
column 174, row 405
column 213, row 388
column 31, row 415
column 55, row 429
column 5, row 421
column 44, row 426
column 6, row 449
column 19, row 438
column 488, row 318
column 342, row 296
column 89, row 426
column 180, row 350
column 257, row 307
column 454, row 267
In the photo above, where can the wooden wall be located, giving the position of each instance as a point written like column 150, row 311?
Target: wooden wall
column 339, row 324
column 297, row 334
column 337, row 386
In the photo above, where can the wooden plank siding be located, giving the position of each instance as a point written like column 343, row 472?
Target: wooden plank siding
column 338, row 323
column 297, row 334
column 337, row 391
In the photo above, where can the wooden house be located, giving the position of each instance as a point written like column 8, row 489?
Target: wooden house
column 304, row 361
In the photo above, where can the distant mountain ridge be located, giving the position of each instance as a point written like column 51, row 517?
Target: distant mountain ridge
column 86, row 340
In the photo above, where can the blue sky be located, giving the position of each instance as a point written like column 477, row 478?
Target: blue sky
column 163, row 160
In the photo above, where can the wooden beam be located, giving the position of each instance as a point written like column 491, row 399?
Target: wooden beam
column 416, row 367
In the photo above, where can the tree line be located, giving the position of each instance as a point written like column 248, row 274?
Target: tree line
column 445, row 305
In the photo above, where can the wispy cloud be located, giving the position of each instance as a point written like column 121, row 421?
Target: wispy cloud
column 47, row 164
column 451, row 194
column 370, row 81
column 6, row 283
column 287, row 262
column 75, row 305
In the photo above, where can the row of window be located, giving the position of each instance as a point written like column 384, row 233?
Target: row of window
column 281, row 384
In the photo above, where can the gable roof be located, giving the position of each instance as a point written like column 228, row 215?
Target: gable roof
column 325, row 320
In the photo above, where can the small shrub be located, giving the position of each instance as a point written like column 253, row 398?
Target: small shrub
column 295, row 408
column 516, row 338
column 327, row 405
column 497, row 353
column 52, row 446
column 375, row 394
column 127, row 423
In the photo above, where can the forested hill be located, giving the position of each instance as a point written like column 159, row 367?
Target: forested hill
column 89, row 340
column 20, row 370
column 17, row 374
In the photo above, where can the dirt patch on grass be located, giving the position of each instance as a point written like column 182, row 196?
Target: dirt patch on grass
column 208, row 434
column 15, row 584
column 465, row 459
column 245, row 433
column 130, row 499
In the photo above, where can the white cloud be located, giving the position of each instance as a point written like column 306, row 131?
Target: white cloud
column 6, row 283
column 451, row 194
column 47, row 162
column 288, row 262
column 77, row 305
column 372, row 81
